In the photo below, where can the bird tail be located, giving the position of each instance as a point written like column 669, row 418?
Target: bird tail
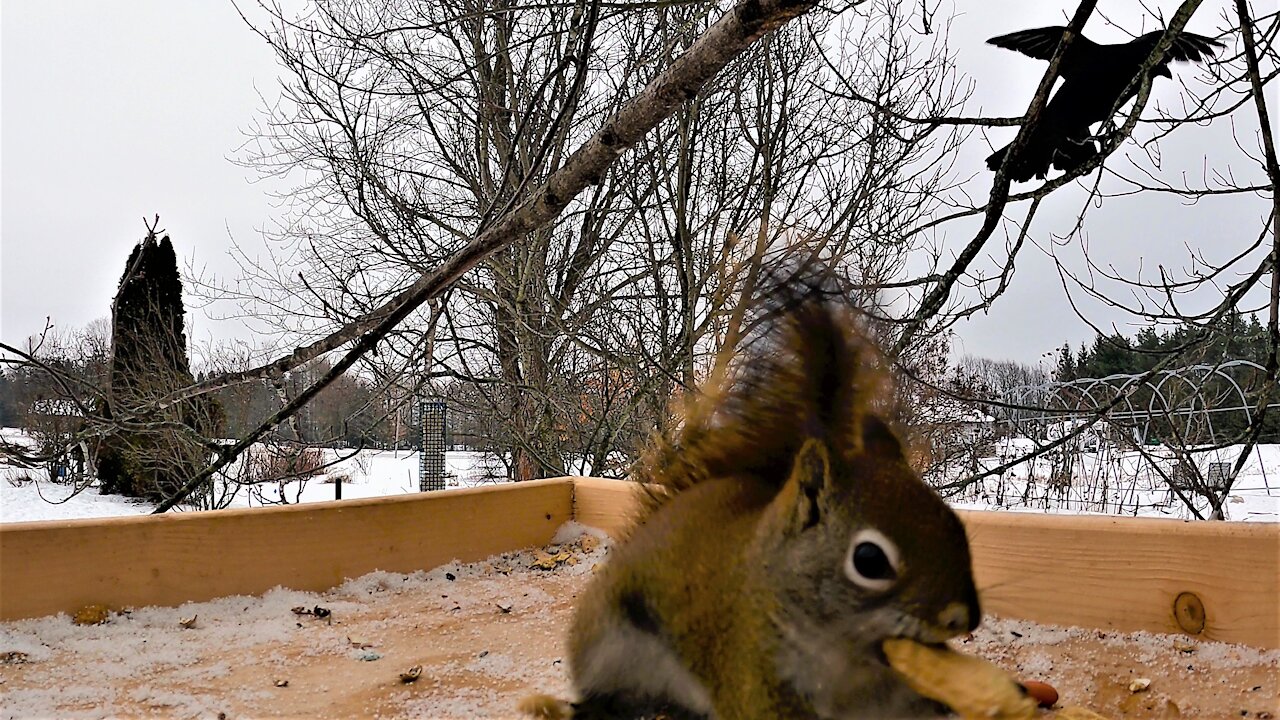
column 996, row 159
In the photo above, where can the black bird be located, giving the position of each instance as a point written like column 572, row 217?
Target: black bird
column 1095, row 78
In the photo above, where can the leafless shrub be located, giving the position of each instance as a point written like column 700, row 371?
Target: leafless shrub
column 273, row 463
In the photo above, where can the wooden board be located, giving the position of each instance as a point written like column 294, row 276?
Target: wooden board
column 1090, row 571
column 50, row 567
column 1125, row 573
column 1103, row 572
column 608, row 505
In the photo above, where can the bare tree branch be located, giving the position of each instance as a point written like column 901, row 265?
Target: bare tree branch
column 745, row 23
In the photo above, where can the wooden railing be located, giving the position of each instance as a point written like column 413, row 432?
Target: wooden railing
column 1220, row 581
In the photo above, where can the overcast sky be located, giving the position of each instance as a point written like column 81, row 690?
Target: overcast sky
column 116, row 110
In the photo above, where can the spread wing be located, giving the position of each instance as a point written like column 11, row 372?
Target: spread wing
column 1039, row 43
column 1187, row 47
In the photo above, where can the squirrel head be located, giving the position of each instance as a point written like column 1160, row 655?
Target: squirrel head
column 853, row 544
column 860, row 547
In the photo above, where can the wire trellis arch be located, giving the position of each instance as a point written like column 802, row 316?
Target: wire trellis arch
column 1053, row 401
column 1164, row 446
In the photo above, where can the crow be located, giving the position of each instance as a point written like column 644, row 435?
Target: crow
column 1095, row 78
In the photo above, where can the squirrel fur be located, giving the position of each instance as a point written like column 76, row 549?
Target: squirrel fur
column 788, row 539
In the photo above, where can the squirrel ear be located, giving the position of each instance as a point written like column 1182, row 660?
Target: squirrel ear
column 810, row 472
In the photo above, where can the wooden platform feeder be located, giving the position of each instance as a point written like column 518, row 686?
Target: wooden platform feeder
column 1216, row 581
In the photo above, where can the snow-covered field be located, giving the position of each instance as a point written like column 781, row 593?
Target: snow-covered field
column 27, row 494
column 1106, row 483
column 1124, row 483
column 42, row 500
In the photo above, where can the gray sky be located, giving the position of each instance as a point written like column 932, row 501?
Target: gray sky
column 112, row 111
column 115, row 111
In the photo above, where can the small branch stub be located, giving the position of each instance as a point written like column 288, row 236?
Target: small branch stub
column 1189, row 613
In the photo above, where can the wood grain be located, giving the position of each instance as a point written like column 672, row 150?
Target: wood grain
column 1125, row 573
column 609, row 505
column 50, row 567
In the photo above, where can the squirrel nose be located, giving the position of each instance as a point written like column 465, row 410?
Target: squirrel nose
column 956, row 618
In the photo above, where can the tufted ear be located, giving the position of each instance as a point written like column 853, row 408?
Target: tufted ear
column 879, row 441
column 810, row 474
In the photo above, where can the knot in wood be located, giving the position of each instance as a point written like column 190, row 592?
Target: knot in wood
column 1188, row 612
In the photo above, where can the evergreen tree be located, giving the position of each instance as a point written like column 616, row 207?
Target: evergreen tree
column 1148, row 345
column 1066, row 368
column 1110, row 354
column 158, row 450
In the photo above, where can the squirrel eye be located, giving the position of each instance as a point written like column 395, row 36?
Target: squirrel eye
column 873, row 561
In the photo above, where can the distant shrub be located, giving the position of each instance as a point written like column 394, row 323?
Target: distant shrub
column 281, row 462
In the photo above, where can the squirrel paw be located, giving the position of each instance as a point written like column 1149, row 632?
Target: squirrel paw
column 545, row 707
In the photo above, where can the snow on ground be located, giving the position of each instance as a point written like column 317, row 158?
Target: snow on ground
column 26, row 494
column 1115, row 483
column 1123, row 483
column 16, row 436
column 42, row 500
column 375, row 473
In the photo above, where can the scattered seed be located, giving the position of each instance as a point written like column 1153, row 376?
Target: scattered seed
column 92, row 615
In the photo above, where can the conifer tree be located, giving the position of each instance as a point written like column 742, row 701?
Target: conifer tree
column 152, row 452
